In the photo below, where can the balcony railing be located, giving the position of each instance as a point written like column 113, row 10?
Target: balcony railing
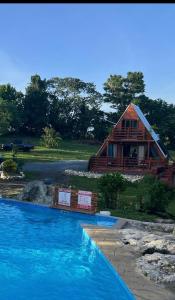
column 128, row 134
column 126, row 162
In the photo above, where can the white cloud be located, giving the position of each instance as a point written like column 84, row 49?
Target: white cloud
column 12, row 71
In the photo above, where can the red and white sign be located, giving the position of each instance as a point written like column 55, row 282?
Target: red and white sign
column 64, row 197
column 84, row 199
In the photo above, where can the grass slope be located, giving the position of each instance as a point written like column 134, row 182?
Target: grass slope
column 68, row 150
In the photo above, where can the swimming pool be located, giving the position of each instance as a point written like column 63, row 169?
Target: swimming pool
column 46, row 255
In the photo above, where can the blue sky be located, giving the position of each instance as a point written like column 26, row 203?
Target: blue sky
column 89, row 41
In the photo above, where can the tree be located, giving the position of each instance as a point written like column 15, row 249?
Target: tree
column 35, row 106
column 13, row 102
column 50, row 138
column 120, row 91
column 73, row 105
column 155, row 111
column 5, row 117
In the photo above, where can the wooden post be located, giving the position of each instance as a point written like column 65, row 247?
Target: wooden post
column 148, row 157
column 107, row 155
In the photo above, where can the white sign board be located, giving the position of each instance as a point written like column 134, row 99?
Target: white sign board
column 84, row 199
column 64, row 197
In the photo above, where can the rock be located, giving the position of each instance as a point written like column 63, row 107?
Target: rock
column 151, row 226
column 158, row 267
column 105, row 213
column 146, row 242
column 174, row 231
column 164, row 221
column 131, row 178
column 5, row 176
column 37, row 191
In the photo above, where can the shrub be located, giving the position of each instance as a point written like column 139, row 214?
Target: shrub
column 171, row 208
column 109, row 187
column 50, row 138
column 153, row 195
column 15, row 149
column 9, row 166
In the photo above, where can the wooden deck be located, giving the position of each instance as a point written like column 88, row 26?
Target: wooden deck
column 126, row 165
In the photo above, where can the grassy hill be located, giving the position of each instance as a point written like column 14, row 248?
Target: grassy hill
column 68, row 150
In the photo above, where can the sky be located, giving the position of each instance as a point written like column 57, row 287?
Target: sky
column 90, row 42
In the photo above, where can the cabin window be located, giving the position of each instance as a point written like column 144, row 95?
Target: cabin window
column 126, row 123
column 134, row 123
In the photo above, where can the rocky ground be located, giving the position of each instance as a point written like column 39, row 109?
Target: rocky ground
column 149, row 276
column 155, row 244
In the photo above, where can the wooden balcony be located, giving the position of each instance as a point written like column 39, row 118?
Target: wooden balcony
column 127, row 134
column 99, row 163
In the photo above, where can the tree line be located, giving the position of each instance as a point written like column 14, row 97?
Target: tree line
column 73, row 108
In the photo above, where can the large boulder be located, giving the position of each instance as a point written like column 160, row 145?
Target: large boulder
column 37, row 191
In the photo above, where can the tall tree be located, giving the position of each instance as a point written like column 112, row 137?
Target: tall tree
column 36, row 105
column 13, row 102
column 73, row 103
column 120, row 91
column 5, row 117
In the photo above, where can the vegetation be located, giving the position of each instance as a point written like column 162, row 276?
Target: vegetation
column 72, row 107
column 109, row 187
column 9, row 166
column 153, row 195
column 170, row 209
column 50, row 138
column 68, row 150
column 84, row 183
column 128, row 201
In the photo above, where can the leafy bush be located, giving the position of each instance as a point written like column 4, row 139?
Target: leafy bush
column 9, row 166
column 171, row 208
column 153, row 195
column 109, row 187
column 50, row 138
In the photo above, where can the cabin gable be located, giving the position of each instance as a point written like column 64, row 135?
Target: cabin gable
column 132, row 142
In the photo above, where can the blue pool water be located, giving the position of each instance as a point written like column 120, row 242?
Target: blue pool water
column 46, row 255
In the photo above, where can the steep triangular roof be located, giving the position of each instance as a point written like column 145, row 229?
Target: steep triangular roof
column 154, row 135
column 143, row 119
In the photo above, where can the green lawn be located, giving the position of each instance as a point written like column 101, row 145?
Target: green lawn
column 84, row 183
column 68, row 150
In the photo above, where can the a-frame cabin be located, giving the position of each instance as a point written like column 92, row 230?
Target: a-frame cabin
column 133, row 147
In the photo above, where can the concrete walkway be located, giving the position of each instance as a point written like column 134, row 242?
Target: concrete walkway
column 123, row 258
